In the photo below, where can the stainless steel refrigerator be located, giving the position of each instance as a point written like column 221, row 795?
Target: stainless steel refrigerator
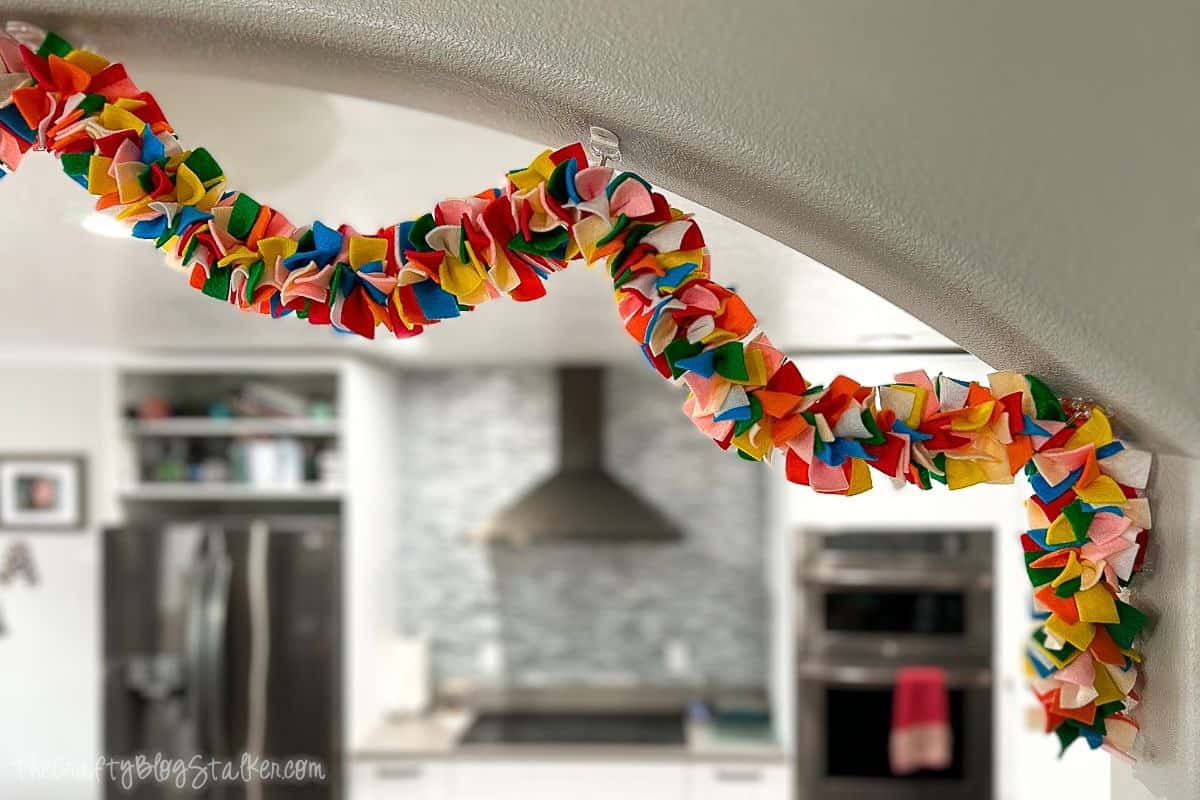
column 222, row 637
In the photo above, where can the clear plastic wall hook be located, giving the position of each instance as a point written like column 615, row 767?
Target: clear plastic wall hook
column 26, row 33
column 606, row 145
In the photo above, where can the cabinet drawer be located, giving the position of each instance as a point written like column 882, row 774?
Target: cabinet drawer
column 588, row 780
column 399, row 780
column 739, row 782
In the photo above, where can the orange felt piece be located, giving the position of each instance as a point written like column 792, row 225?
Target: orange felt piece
column 788, row 428
column 33, row 104
column 1085, row 714
column 1062, row 607
column 736, row 317
column 978, row 395
column 259, row 229
column 68, row 78
column 1019, row 453
column 1055, row 558
column 777, row 404
column 1103, row 648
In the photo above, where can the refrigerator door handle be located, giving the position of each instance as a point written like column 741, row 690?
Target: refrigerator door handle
column 207, row 620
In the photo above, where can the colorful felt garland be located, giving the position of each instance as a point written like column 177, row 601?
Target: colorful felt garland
column 1088, row 518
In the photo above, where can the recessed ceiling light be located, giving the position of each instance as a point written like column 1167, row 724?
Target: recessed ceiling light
column 104, row 225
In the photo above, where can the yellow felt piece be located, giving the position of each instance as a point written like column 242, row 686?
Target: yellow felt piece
column 128, row 103
column 1060, row 531
column 860, row 477
column 973, row 417
column 129, row 184
column 116, row 118
column 457, row 278
column 239, row 255
column 756, row 368
column 170, row 245
column 1005, row 383
column 1096, row 431
column 961, row 474
column 535, row 173
column 1107, row 690
column 210, row 198
column 1132, row 654
column 1073, row 569
column 755, row 447
column 99, row 181
column 1101, row 492
column 273, row 248
column 587, row 232
column 135, row 208
column 86, row 60
column 189, row 190
column 1096, row 605
column 365, row 249
column 670, row 260
column 719, row 336
column 1079, row 635
column 1055, row 658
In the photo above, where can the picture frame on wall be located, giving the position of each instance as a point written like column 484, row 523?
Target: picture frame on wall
column 43, row 491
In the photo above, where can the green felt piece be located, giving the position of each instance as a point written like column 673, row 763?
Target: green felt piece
column 165, row 236
column 1080, row 520
column 76, row 163
column 190, row 249
column 146, row 179
column 635, row 235
column 462, row 307
column 614, row 231
column 869, row 423
column 463, row 255
column 541, row 244
column 1132, row 621
column 54, row 45
column 419, row 230
column 254, row 275
column 939, row 461
column 335, row 283
column 1067, row 734
column 745, row 457
column 743, row 425
column 217, row 284
column 1030, row 468
column 557, row 185
column 1065, row 653
column 816, row 389
column 204, row 166
column 678, row 350
column 923, row 477
column 241, row 219
column 1044, row 401
column 91, row 104
column 302, row 313
column 730, row 362
column 940, row 477
column 1068, row 588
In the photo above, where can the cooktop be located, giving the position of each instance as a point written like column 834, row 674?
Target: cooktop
column 503, row 728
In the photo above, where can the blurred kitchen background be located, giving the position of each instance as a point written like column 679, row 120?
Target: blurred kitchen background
column 296, row 543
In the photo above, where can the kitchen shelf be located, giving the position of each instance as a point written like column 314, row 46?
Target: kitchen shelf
column 227, row 492
column 244, row 426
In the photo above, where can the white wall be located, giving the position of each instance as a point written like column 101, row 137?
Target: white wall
column 1169, row 746
column 50, row 660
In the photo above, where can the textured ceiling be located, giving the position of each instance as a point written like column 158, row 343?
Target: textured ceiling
column 1021, row 176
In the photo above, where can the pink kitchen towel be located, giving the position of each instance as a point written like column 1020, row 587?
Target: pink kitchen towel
column 921, row 736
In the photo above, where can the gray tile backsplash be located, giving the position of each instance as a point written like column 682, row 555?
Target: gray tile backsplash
column 576, row 614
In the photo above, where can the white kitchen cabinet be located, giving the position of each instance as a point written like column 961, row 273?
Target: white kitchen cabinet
column 738, row 782
column 399, row 779
column 592, row 780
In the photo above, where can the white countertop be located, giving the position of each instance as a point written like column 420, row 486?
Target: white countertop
column 437, row 736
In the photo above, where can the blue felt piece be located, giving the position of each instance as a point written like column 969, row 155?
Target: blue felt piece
column 571, row 169
column 675, row 276
column 1096, row 509
column 737, row 414
column 1110, row 449
column 915, row 435
column 1039, row 535
column 1033, row 429
column 327, row 243
column 372, row 292
column 435, row 302
column 80, row 179
column 11, row 118
column 152, row 148
column 658, row 310
column 188, row 216
column 703, row 364
column 277, row 309
column 1093, row 738
column 1042, row 670
column 1048, row 493
column 150, row 228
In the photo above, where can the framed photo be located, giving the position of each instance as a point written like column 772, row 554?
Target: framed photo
column 42, row 492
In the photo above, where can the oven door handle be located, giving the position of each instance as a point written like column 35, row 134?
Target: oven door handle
column 894, row 578
column 854, row 675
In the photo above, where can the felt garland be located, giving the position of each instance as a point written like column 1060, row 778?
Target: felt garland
column 1088, row 517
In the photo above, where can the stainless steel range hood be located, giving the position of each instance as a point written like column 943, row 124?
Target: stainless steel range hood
column 581, row 502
